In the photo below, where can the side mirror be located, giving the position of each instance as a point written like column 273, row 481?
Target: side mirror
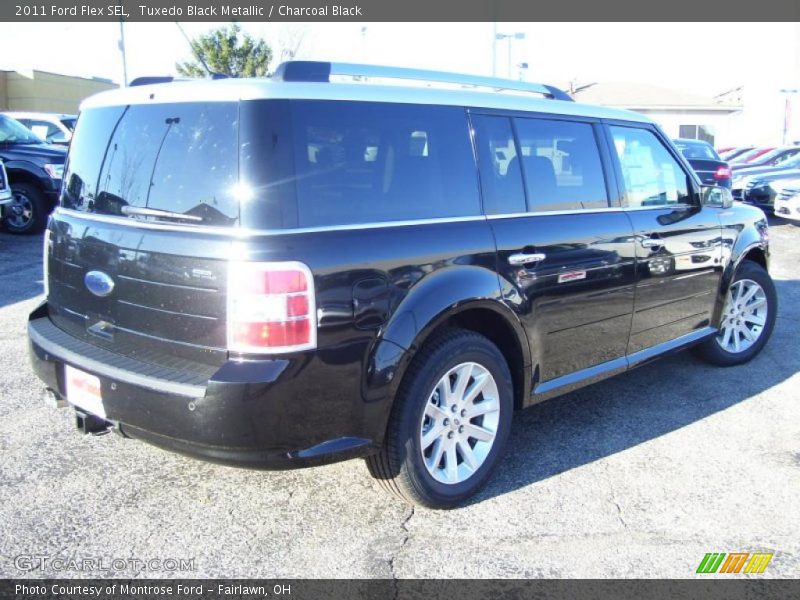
column 713, row 195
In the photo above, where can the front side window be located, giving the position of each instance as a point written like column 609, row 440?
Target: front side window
column 562, row 165
column 650, row 174
column 46, row 131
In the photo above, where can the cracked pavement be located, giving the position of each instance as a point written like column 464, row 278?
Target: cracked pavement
column 638, row 476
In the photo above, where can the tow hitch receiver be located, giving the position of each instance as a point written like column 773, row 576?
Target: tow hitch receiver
column 91, row 424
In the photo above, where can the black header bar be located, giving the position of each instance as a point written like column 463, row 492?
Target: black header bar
column 709, row 588
column 710, row 11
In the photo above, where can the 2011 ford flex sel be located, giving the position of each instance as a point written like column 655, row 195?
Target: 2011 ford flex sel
column 284, row 272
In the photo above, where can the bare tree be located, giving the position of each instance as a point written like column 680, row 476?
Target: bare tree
column 290, row 41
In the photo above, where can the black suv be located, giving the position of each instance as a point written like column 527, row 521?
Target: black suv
column 288, row 272
column 34, row 172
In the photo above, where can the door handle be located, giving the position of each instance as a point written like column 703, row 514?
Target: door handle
column 652, row 243
column 525, row 259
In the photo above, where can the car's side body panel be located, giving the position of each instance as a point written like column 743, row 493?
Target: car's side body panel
column 590, row 305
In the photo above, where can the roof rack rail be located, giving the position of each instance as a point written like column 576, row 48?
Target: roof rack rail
column 320, row 72
column 151, row 79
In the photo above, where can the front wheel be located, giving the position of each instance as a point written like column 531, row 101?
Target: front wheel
column 449, row 424
column 748, row 318
column 27, row 212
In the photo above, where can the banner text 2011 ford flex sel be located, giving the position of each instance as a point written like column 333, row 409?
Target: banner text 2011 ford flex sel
column 283, row 272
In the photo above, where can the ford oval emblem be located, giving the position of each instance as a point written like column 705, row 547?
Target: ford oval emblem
column 99, row 283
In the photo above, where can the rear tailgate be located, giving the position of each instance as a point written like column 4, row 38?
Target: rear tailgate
column 168, row 298
column 140, row 243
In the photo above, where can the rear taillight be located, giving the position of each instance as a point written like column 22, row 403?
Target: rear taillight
column 271, row 307
column 723, row 173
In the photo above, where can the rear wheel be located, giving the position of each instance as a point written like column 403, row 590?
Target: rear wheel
column 27, row 212
column 747, row 318
column 449, row 424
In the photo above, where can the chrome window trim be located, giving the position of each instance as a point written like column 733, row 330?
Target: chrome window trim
column 241, row 232
column 581, row 211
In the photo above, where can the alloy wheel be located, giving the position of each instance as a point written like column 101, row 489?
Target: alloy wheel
column 20, row 212
column 743, row 317
column 459, row 424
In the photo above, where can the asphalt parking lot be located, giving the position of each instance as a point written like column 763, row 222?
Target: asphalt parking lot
column 638, row 476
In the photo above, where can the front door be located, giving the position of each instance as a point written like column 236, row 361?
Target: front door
column 678, row 242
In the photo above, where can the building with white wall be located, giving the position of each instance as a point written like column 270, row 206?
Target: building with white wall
column 680, row 114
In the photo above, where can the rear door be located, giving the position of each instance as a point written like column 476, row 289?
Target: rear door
column 565, row 253
column 678, row 242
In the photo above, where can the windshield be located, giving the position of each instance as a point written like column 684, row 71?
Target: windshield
column 787, row 158
column 792, row 162
column 750, row 155
column 14, row 132
column 771, row 155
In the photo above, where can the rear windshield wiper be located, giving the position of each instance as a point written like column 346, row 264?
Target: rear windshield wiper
column 158, row 213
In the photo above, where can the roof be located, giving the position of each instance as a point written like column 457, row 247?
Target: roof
column 251, row 89
column 646, row 96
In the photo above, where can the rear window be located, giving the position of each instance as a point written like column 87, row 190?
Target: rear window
column 329, row 163
column 174, row 158
column 697, row 150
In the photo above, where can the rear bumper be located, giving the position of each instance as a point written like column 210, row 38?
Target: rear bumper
column 266, row 414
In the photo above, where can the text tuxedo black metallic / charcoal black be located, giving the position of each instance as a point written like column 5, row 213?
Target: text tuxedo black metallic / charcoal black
column 287, row 272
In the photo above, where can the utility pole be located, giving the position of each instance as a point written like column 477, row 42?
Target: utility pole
column 122, row 49
column 510, row 37
column 494, row 49
column 787, row 94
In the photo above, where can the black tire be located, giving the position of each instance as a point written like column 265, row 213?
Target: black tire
column 711, row 351
column 27, row 214
column 399, row 466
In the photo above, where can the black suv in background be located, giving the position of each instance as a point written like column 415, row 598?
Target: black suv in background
column 289, row 272
column 34, row 172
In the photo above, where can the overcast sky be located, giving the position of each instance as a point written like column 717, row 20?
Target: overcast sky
column 705, row 58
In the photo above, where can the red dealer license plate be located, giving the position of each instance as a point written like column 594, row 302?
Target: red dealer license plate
column 83, row 391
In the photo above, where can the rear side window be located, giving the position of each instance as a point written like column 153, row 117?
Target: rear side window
column 179, row 158
column 354, row 162
column 562, row 165
column 381, row 162
column 651, row 175
column 46, row 131
column 501, row 174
